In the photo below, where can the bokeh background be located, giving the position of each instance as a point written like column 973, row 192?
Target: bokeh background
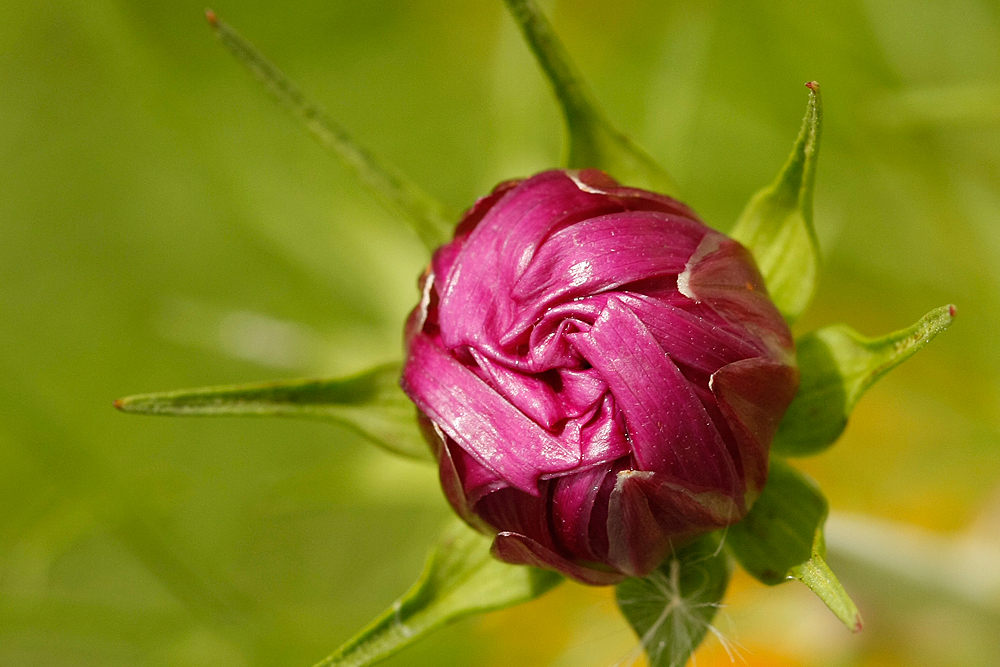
column 164, row 224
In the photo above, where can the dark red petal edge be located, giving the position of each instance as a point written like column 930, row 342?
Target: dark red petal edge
column 520, row 550
column 753, row 395
column 648, row 517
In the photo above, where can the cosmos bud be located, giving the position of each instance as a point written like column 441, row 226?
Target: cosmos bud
column 599, row 373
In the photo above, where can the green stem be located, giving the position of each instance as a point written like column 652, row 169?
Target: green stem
column 592, row 140
column 428, row 217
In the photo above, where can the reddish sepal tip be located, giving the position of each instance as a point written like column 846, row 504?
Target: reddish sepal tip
column 213, row 19
column 119, row 404
column 813, row 86
column 952, row 309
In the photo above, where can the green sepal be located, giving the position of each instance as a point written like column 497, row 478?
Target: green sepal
column 837, row 367
column 777, row 224
column 460, row 578
column 781, row 538
column 591, row 139
column 370, row 403
column 821, row 580
column 672, row 609
column 432, row 222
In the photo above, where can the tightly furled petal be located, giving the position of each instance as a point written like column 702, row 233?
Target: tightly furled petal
column 600, row 374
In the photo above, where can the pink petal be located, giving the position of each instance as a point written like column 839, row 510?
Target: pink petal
column 476, row 479
column 722, row 273
column 631, row 199
column 480, row 420
column 669, row 428
column 548, row 346
column 572, row 503
column 511, row 510
column 475, row 303
column 636, row 543
column 753, row 395
column 602, row 253
column 691, row 339
column 530, row 394
column 453, row 484
column 604, row 438
column 649, row 516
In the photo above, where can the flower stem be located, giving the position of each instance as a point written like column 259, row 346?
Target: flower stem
column 428, row 217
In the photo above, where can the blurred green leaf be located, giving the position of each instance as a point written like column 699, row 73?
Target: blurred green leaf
column 838, row 365
column 592, row 140
column 778, row 532
column 460, row 578
column 428, row 217
column 777, row 224
column 370, row 403
column 781, row 538
column 672, row 609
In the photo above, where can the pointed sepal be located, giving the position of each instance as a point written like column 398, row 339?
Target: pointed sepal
column 821, row 580
column 460, row 578
column 370, row 403
column 837, row 366
column 777, row 224
column 428, row 217
column 591, row 139
column 671, row 610
column 781, row 538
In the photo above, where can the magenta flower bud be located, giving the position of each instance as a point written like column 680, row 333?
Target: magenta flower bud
column 600, row 374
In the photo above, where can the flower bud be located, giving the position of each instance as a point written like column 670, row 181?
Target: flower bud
column 600, row 374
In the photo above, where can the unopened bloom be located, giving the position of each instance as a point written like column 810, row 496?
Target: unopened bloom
column 600, row 373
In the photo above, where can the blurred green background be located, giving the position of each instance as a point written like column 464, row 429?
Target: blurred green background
column 163, row 224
